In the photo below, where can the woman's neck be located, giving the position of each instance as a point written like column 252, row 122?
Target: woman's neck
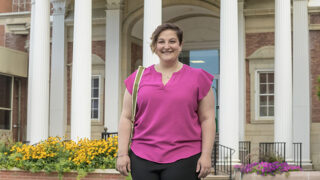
column 169, row 66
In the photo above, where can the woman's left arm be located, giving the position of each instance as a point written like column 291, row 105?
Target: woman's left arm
column 206, row 115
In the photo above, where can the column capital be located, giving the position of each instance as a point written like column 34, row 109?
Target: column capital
column 113, row 4
column 59, row 6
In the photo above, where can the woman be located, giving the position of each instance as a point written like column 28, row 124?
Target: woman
column 174, row 126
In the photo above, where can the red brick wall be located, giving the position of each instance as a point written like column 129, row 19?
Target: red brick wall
column 23, row 109
column 15, row 110
column 15, row 41
column 315, row 18
column 22, row 113
column 99, row 49
column 315, row 73
column 14, row 175
column 5, row 6
column 254, row 41
column 248, row 110
column 2, row 35
column 69, row 72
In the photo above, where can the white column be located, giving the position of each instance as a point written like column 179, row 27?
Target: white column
column 38, row 100
column 112, row 66
column 301, row 79
column 283, row 76
column 229, row 77
column 242, row 72
column 30, row 71
column 81, row 71
column 152, row 18
column 58, row 71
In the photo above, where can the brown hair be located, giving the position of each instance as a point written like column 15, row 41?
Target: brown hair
column 160, row 29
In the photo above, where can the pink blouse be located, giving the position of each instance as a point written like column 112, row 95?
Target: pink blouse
column 167, row 127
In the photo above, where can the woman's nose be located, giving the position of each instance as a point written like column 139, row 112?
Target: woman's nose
column 166, row 45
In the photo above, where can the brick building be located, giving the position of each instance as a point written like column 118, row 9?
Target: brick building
column 63, row 62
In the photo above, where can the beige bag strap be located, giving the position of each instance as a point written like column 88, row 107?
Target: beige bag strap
column 135, row 94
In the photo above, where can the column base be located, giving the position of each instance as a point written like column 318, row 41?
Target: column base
column 307, row 165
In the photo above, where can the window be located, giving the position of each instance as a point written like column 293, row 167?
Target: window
column 5, row 102
column 95, row 98
column 265, row 94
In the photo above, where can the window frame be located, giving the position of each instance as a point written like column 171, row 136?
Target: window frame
column 257, row 95
column 99, row 98
column 11, row 104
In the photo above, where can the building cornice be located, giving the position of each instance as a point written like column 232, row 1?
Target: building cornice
column 113, row 4
column 265, row 12
column 15, row 14
column 258, row 12
column 59, row 7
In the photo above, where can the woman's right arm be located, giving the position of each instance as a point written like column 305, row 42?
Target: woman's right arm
column 123, row 161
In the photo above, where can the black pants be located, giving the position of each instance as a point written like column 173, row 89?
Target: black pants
column 184, row 169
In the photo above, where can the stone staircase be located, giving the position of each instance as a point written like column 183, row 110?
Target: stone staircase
column 216, row 177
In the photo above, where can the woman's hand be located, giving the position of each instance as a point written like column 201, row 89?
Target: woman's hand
column 204, row 166
column 123, row 165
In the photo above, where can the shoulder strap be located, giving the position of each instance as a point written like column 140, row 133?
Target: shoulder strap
column 135, row 91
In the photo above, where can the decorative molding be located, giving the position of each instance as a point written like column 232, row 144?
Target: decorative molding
column 59, row 6
column 314, row 27
column 314, row 3
column 258, row 12
column 265, row 52
column 263, row 12
column 113, row 4
column 19, row 28
column 313, row 9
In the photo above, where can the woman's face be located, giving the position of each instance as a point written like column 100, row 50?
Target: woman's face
column 167, row 46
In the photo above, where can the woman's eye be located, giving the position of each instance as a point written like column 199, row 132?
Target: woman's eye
column 172, row 41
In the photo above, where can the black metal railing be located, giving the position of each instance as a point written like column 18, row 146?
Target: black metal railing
column 270, row 151
column 105, row 135
column 222, row 159
column 297, row 154
column 244, row 152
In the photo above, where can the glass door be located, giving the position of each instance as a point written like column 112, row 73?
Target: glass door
column 209, row 61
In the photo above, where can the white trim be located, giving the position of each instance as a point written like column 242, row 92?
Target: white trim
column 257, row 93
column 99, row 98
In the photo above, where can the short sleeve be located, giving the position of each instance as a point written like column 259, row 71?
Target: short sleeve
column 204, row 83
column 130, row 81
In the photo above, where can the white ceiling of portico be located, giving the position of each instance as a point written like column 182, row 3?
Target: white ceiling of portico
column 198, row 24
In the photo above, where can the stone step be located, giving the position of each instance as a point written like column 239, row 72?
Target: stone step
column 216, row 177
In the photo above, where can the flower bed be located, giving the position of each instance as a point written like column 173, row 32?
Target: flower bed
column 267, row 168
column 57, row 155
column 296, row 175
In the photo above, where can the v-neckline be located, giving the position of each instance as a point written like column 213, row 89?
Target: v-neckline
column 172, row 76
